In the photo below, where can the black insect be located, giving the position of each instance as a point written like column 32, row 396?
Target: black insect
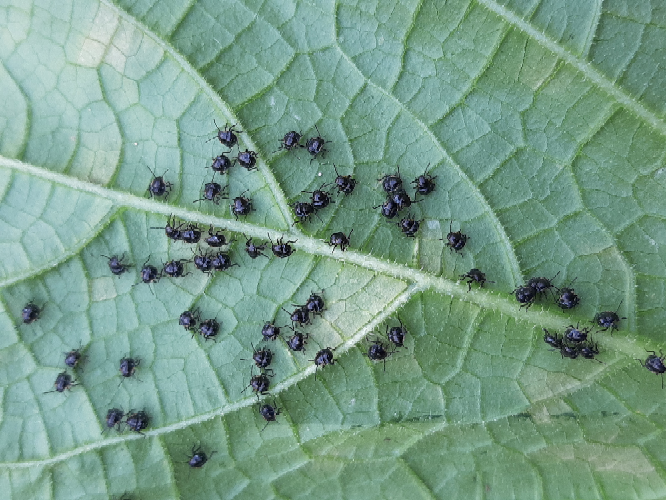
column 401, row 199
column 541, row 285
column 608, row 319
column 149, row 274
column 203, row 262
column 396, row 334
column 576, row 334
column 253, row 250
column 209, row 329
column 377, row 352
column 30, row 313
column 391, row 182
column 191, row 234
column 189, row 319
column 320, row 198
column 171, row 230
column 247, row 159
column 116, row 264
column 213, row 192
column 315, row 145
column 128, row 366
column 409, row 226
column 114, row 418
column 303, row 211
column 475, row 276
column 227, row 135
column 270, row 331
column 340, row 239
column 589, row 350
column 63, row 381
column 315, row 304
column 281, row 248
column 241, row 206
column 199, row 457
column 567, row 298
column 553, row 339
column 344, row 183
column 323, row 357
column 655, row 364
column 259, row 384
column 73, row 357
column 568, row 351
column 297, row 341
column 300, row 315
column 158, row 186
column 424, row 184
column 222, row 261
column 221, row 164
column 291, row 140
column 175, row 268
column 137, row 421
column 269, row 412
column 215, row 240
column 455, row 241
column 389, row 209
column 526, row 295
column 261, row 357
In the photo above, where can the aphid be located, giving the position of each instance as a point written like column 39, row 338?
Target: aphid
column 340, row 239
column 149, row 274
column 315, row 145
column 189, row 319
column 241, row 206
column 401, row 199
column 608, row 319
column 199, row 457
column 157, row 186
column 270, row 331
column 320, row 198
column 281, row 248
column 209, row 329
column 389, row 208
column 213, row 192
column 215, row 240
column 73, row 357
column 259, row 384
column 253, row 250
column 377, row 352
column 116, row 264
column 269, row 412
column 221, row 164
column 655, row 364
column 525, row 295
column 191, row 234
column 409, row 226
column 227, row 135
column 128, row 366
column 30, row 313
column 315, row 304
column 391, row 182
column 63, row 381
column 455, row 241
column 567, row 298
column 114, row 418
column 396, row 334
column 300, row 315
column 171, row 230
column 222, row 261
column 297, row 341
column 175, row 268
column 323, row 357
column 247, row 159
column 261, row 357
column 291, row 140
column 424, row 184
column 575, row 335
column 344, row 183
column 203, row 262
column 541, row 285
column 303, row 211
column 137, row 421
column 568, row 351
column 589, row 350
column 553, row 339
column 475, row 276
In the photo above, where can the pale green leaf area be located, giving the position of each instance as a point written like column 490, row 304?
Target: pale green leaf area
column 543, row 123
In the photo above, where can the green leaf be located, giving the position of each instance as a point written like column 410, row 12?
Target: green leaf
column 543, row 124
